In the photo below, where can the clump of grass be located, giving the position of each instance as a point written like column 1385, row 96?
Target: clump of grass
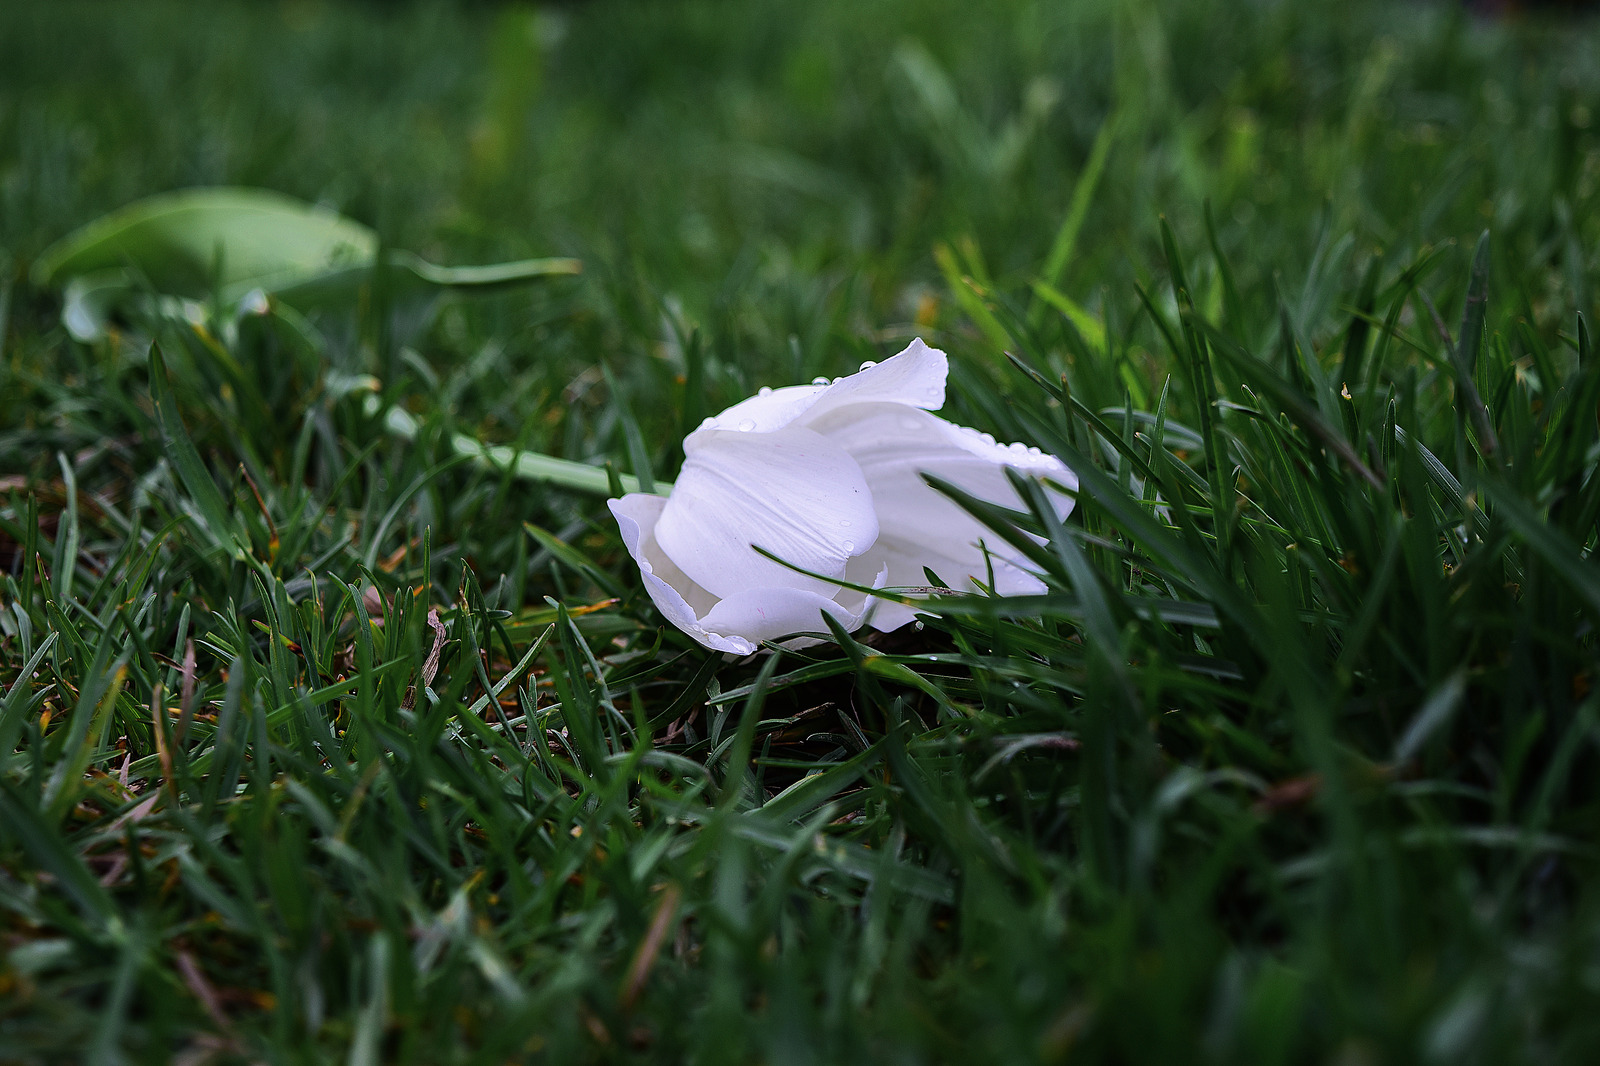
column 318, row 742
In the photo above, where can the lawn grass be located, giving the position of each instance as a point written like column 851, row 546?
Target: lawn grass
column 320, row 743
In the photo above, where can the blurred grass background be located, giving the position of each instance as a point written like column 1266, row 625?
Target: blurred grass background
column 1351, row 822
column 697, row 139
column 786, row 173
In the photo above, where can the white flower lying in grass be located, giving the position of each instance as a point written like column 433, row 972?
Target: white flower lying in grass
column 827, row 477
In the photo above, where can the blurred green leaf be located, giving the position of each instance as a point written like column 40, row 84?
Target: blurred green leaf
column 187, row 243
column 231, row 242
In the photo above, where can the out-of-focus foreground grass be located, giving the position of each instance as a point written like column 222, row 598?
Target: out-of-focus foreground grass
column 317, row 743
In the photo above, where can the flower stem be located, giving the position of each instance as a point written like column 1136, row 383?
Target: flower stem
column 529, row 466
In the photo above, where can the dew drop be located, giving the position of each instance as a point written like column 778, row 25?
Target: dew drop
column 987, row 438
column 920, row 626
column 844, row 523
column 706, row 423
column 869, row 364
column 1034, row 451
column 848, row 545
column 747, row 425
column 819, row 380
column 837, row 380
column 765, row 390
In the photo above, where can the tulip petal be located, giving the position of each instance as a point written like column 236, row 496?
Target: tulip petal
column 919, row 526
column 767, row 411
column 679, row 599
column 770, row 613
column 790, row 492
column 914, row 378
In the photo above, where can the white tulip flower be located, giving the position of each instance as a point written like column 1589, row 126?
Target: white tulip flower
column 827, row 477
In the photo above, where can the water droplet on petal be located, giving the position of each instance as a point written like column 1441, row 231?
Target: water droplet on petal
column 844, row 523
column 920, row 626
column 1034, row 451
column 765, row 390
column 869, row 364
column 987, row 438
column 747, row 425
column 707, row 422
column 848, row 545
column 819, row 380
column 837, row 380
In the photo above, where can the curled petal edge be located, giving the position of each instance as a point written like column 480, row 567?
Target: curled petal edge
column 914, row 377
column 636, row 515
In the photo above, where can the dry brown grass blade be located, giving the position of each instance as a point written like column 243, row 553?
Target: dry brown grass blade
column 645, row 957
